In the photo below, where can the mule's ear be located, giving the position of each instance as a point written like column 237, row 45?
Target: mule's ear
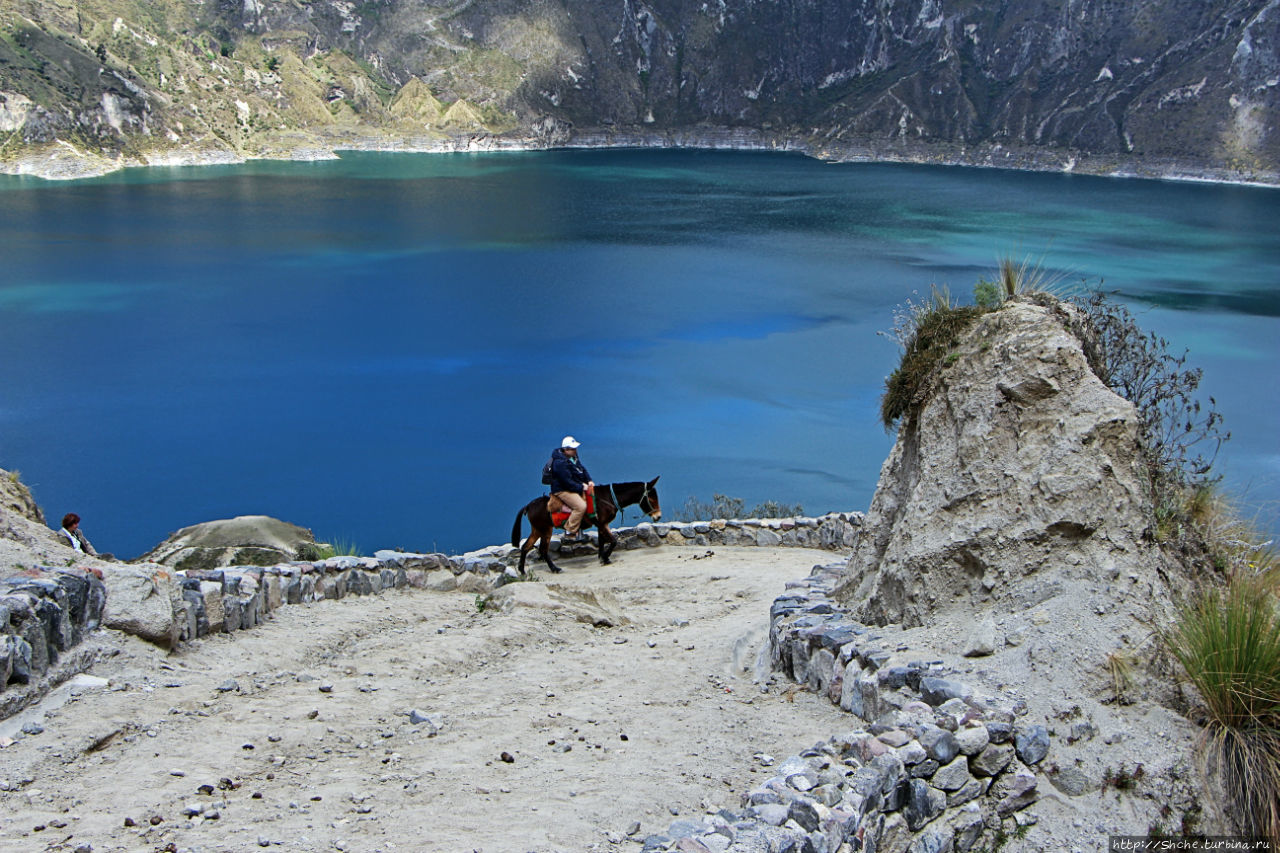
column 654, row 480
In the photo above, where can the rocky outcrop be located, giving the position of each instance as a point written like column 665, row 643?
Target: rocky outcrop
column 246, row 540
column 1093, row 85
column 26, row 540
column 1019, row 475
column 15, row 498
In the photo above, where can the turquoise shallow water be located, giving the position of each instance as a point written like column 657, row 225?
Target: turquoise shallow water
column 385, row 347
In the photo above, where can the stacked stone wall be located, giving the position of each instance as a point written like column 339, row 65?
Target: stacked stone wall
column 930, row 765
column 48, row 611
column 236, row 598
column 43, row 617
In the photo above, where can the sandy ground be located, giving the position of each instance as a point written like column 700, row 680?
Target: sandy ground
column 605, row 727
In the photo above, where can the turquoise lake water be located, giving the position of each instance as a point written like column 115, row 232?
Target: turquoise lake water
column 385, row 348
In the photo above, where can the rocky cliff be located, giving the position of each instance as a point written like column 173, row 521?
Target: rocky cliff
column 1007, row 558
column 1018, row 481
column 1170, row 86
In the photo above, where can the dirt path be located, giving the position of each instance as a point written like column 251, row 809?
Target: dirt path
column 604, row 726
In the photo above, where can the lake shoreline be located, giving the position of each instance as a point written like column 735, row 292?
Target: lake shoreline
column 61, row 161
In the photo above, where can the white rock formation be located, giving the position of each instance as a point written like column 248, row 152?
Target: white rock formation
column 1019, row 474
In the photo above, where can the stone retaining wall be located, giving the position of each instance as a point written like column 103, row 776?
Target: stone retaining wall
column 43, row 615
column 42, row 618
column 930, row 765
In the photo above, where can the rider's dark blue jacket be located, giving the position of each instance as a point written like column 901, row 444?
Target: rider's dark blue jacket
column 567, row 474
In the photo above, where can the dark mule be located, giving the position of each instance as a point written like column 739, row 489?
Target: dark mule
column 609, row 499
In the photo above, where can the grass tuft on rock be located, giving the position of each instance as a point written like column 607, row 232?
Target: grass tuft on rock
column 1228, row 643
column 336, row 548
column 927, row 333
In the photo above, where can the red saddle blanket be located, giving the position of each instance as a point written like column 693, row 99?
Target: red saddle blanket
column 559, row 516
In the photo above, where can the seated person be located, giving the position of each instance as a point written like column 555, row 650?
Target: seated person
column 75, row 537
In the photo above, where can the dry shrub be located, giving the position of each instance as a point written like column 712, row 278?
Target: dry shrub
column 1120, row 666
column 1180, row 438
column 1233, row 543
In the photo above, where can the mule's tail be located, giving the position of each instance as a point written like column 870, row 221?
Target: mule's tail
column 515, row 528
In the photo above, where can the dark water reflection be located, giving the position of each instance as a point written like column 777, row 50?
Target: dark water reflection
column 385, row 347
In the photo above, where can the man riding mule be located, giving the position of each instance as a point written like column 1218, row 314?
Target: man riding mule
column 571, row 485
column 569, row 479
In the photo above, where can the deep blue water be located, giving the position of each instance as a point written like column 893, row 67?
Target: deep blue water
column 385, row 348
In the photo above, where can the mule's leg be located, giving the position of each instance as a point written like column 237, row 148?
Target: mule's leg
column 607, row 543
column 527, row 547
column 544, row 549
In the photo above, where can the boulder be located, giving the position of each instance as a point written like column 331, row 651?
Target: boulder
column 1032, row 744
column 1015, row 790
column 146, row 602
column 935, row 691
column 972, row 739
column 981, row 640
column 991, row 760
column 246, row 540
column 939, row 744
column 953, row 776
column 924, row 803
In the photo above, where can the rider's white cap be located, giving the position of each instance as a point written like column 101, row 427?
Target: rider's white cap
column 569, row 441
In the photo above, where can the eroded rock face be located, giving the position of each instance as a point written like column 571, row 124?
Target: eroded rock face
column 246, row 540
column 1019, row 474
column 16, row 498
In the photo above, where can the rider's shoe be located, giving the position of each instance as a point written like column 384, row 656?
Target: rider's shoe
column 572, row 538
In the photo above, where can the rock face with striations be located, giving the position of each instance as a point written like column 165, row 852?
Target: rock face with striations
column 1184, row 85
column 1020, row 473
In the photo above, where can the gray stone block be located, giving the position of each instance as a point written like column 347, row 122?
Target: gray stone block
column 992, row 760
column 971, row 790
column 952, row 776
column 936, row 839
column 999, row 731
column 936, row 690
column 939, row 744
column 924, row 803
column 821, row 665
column 230, row 613
column 199, row 619
column 1015, row 790
column 804, row 813
column 1032, row 744
column 19, row 660
column 774, row 814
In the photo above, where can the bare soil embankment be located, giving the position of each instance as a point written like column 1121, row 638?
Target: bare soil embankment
column 305, row 718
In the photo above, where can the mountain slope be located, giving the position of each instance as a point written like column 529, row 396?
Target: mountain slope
column 1110, row 85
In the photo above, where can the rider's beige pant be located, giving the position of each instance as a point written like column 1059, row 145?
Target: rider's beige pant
column 577, row 505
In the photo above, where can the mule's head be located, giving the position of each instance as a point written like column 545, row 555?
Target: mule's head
column 649, row 500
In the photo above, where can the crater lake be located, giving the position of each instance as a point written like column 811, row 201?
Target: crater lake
column 386, row 347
